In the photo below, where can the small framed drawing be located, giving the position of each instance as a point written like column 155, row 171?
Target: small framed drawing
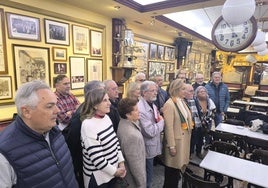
column 3, row 54
column 57, row 32
column 59, row 54
column 96, row 43
column 152, row 51
column 94, row 69
column 77, row 71
column 23, row 27
column 60, row 68
column 32, row 63
column 169, row 53
column 80, row 40
column 156, row 68
column 5, row 87
column 160, row 52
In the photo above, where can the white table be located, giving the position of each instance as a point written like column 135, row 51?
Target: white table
column 251, row 103
column 243, row 131
column 237, row 168
column 260, row 98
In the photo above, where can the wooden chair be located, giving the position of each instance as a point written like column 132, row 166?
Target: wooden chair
column 193, row 181
column 254, row 143
column 225, row 148
column 260, row 156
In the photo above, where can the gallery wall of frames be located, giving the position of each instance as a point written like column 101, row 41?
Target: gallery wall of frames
column 43, row 47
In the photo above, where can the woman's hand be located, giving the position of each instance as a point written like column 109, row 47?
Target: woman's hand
column 172, row 151
column 121, row 171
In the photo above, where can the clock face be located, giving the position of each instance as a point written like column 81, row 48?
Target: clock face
column 233, row 38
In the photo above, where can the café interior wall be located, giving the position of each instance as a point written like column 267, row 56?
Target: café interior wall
column 55, row 10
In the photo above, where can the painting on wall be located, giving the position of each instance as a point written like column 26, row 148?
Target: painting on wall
column 59, row 54
column 80, row 40
column 94, row 69
column 23, row 27
column 77, row 71
column 31, row 63
column 5, row 87
column 56, row 32
column 96, row 43
column 3, row 55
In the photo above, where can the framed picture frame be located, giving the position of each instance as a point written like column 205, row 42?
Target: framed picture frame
column 96, row 48
column 157, row 68
column 152, row 51
column 5, row 87
column 169, row 53
column 80, row 40
column 160, row 52
column 23, row 27
column 57, row 32
column 31, row 63
column 77, row 71
column 94, row 69
column 59, row 54
column 3, row 54
column 60, row 68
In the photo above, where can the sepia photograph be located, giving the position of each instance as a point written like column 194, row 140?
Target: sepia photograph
column 3, row 55
column 32, row 63
column 60, row 68
column 59, row 54
column 5, row 87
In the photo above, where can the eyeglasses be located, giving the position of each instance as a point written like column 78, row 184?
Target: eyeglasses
column 142, row 80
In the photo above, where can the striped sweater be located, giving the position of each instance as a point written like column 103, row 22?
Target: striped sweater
column 101, row 150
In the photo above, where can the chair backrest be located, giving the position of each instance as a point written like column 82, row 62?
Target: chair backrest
column 235, row 122
column 259, row 155
column 225, row 148
column 222, row 136
column 255, row 143
column 190, row 181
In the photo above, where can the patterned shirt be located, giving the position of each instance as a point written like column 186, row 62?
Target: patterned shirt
column 66, row 103
column 192, row 105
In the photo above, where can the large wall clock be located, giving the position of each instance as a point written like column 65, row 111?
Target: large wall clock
column 233, row 38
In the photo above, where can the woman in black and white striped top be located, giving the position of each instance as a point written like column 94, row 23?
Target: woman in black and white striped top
column 102, row 156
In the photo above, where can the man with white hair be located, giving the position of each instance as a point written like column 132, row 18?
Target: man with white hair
column 199, row 81
column 140, row 77
column 152, row 124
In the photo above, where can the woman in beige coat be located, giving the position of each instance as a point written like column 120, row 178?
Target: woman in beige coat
column 178, row 126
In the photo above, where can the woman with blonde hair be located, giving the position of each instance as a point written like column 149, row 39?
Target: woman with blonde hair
column 133, row 90
column 178, row 128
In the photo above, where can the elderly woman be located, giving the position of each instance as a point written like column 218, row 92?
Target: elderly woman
column 133, row 90
column 132, row 143
column 102, row 156
column 206, row 109
column 177, row 135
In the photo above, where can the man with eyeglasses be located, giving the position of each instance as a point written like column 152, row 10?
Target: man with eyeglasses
column 152, row 124
column 66, row 101
column 112, row 90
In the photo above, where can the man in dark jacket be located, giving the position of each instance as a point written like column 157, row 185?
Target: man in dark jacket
column 33, row 152
column 219, row 93
column 72, row 135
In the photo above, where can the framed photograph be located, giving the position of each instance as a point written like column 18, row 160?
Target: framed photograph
column 5, row 87
column 152, row 51
column 96, row 43
column 169, row 53
column 80, row 40
column 94, row 69
column 60, row 68
column 23, row 27
column 77, row 71
column 3, row 54
column 156, row 68
column 57, row 32
column 59, row 54
column 31, row 63
column 160, row 52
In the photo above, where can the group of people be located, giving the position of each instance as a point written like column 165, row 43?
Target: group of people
column 57, row 142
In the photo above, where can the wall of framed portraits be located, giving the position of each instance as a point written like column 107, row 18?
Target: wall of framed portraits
column 38, row 44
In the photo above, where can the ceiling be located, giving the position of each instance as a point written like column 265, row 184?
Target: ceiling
column 150, row 17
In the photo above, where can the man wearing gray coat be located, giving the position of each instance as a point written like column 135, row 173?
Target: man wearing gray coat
column 152, row 124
